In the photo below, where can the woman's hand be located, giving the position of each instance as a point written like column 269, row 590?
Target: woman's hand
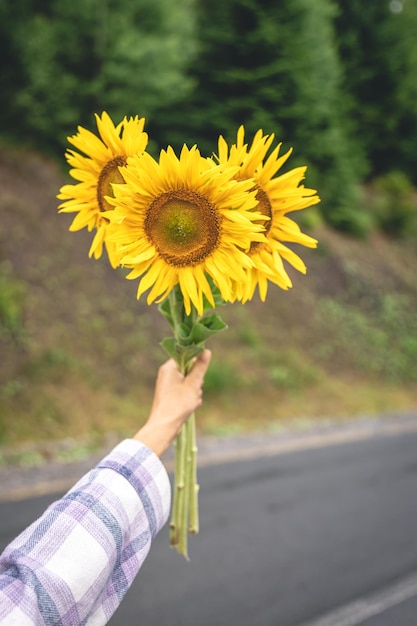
column 176, row 396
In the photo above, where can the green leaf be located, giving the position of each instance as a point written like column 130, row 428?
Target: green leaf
column 181, row 354
column 169, row 345
column 184, row 333
column 206, row 328
column 165, row 309
column 214, row 322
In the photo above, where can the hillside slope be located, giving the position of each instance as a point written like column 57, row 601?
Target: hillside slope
column 79, row 353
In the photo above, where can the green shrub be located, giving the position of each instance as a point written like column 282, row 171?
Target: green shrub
column 49, row 365
column 12, row 297
column 221, row 377
column 292, row 372
column 382, row 342
column 394, row 204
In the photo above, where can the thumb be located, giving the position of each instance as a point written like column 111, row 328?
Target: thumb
column 200, row 367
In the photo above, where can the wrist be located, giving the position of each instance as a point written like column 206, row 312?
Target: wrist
column 154, row 439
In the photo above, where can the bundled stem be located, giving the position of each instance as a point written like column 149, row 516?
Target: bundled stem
column 185, row 505
column 190, row 333
column 184, row 517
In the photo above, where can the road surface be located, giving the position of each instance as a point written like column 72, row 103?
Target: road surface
column 315, row 535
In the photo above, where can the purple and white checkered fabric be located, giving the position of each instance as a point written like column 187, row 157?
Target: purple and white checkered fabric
column 74, row 564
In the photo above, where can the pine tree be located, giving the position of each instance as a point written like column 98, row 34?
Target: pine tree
column 378, row 49
column 85, row 56
column 274, row 65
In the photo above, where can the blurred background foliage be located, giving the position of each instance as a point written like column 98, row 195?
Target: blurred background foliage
column 335, row 80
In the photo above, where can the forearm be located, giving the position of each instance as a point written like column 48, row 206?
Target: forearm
column 78, row 560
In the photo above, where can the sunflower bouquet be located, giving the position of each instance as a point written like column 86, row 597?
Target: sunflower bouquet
column 195, row 232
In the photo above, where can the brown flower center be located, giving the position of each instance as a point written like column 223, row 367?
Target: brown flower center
column 109, row 174
column 265, row 208
column 183, row 226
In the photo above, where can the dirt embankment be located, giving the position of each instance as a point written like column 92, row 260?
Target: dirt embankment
column 84, row 355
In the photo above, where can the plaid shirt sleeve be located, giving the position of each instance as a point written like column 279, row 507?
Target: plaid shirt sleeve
column 74, row 564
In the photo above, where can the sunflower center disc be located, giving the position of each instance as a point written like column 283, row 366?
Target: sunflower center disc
column 183, row 226
column 109, row 174
column 265, row 208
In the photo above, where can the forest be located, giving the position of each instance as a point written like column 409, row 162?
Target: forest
column 334, row 79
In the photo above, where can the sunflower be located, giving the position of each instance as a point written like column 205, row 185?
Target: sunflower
column 97, row 172
column 277, row 196
column 183, row 221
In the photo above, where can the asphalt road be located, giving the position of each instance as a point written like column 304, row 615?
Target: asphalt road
column 323, row 536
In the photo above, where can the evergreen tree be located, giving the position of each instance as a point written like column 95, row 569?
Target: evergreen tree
column 378, row 49
column 274, row 65
column 145, row 48
column 76, row 58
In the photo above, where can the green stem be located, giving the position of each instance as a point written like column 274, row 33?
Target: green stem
column 184, row 516
column 193, row 485
column 178, row 486
column 185, row 502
